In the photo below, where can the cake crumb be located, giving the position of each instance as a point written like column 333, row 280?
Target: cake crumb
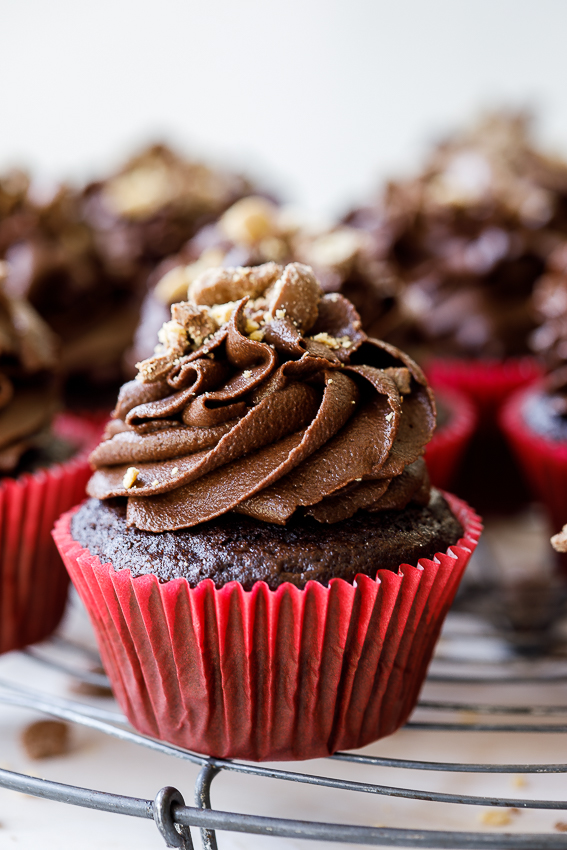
column 130, row 477
column 496, row 817
column 559, row 541
column 560, row 826
column 175, row 471
column 280, row 314
column 247, row 373
column 519, row 781
column 155, row 483
column 389, row 416
column 45, row 738
column 88, row 688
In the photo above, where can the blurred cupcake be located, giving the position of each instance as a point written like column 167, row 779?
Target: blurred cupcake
column 82, row 257
column 255, row 507
column 42, row 472
column 469, row 238
column 535, row 420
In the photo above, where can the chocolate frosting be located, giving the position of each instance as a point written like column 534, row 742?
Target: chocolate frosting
column 469, row 236
column 27, row 392
column 265, row 397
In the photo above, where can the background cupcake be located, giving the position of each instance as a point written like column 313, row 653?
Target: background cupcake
column 42, row 471
column 258, row 488
column 82, row 257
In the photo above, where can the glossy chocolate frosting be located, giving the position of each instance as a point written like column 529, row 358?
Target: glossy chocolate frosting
column 265, row 397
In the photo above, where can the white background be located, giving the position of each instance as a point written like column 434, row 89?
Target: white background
column 323, row 97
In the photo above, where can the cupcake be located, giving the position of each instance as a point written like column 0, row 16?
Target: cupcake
column 535, row 419
column 255, row 508
column 42, row 471
column 469, row 237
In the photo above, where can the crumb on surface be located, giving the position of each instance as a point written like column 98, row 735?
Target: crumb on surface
column 88, row 688
column 45, row 738
column 496, row 817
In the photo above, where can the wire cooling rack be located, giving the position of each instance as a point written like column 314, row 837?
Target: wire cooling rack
column 174, row 818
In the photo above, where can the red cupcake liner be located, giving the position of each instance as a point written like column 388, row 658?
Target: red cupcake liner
column 487, row 383
column 33, row 580
column 544, row 461
column 269, row 674
column 446, row 448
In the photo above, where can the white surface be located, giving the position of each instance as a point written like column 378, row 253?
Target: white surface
column 321, row 96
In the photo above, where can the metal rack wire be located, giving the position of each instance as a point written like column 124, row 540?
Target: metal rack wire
column 174, row 818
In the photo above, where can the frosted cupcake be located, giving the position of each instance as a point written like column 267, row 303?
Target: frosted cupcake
column 258, row 488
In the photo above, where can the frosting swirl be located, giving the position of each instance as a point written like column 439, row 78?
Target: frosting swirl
column 265, row 397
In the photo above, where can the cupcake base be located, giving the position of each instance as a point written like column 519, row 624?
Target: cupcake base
column 269, row 674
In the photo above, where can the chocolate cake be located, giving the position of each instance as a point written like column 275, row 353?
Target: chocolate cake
column 238, row 548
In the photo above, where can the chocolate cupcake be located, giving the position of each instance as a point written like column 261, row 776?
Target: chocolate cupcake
column 82, row 258
column 43, row 469
column 259, row 486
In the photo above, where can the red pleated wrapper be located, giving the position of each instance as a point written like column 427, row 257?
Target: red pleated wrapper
column 33, row 580
column 544, row 461
column 268, row 674
column 446, row 448
column 488, row 383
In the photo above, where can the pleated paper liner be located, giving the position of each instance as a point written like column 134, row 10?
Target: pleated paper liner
column 269, row 674
column 33, row 580
column 446, row 448
column 544, row 461
column 488, row 383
